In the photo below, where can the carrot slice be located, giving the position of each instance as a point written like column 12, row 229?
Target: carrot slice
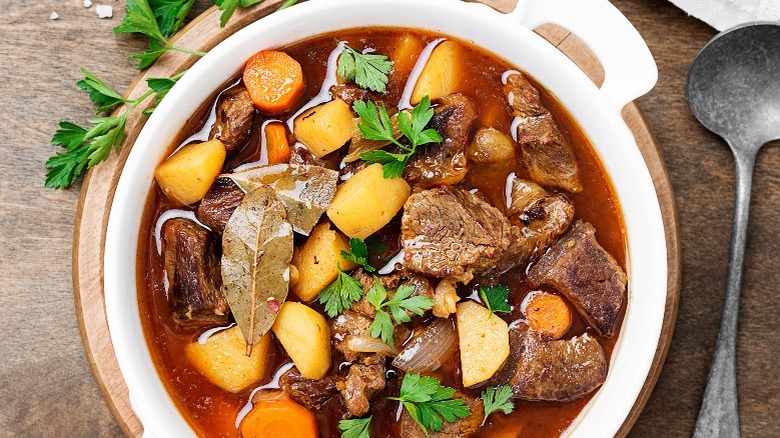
column 276, row 145
column 548, row 314
column 278, row 416
column 274, row 81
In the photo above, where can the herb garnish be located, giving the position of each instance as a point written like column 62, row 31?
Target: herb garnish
column 355, row 428
column 376, row 125
column 341, row 294
column 497, row 398
column 401, row 302
column 496, row 298
column 428, row 402
column 170, row 14
column 368, row 70
column 358, row 254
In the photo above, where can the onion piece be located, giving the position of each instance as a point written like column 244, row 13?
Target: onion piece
column 369, row 344
column 427, row 351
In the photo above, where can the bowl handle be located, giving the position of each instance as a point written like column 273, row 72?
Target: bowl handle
column 629, row 68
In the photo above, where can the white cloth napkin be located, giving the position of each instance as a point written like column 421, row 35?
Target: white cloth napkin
column 723, row 14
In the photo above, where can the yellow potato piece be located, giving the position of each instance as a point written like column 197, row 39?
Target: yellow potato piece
column 406, row 53
column 442, row 73
column 187, row 175
column 484, row 342
column 367, row 202
column 318, row 261
column 223, row 361
column 305, row 336
column 325, row 128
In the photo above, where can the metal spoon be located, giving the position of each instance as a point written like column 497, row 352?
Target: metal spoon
column 734, row 90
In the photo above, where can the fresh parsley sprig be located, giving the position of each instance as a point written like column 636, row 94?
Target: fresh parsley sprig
column 358, row 254
column 170, row 14
column 497, row 398
column 228, row 7
column 428, row 402
column 368, row 70
column 382, row 327
column 496, row 298
column 355, row 428
column 341, row 294
column 375, row 125
column 140, row 18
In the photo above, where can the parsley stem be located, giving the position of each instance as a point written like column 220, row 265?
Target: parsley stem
column 183, row 50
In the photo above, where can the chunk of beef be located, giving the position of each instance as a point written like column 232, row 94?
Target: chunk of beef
column 588, row 275
column 235, row 115
column 460, row 428
column 391, row 282
column 349, row 93
column 193, row 273
column 300, row 155
column 218, row 205
column 312, row 394
column 449, row 232
column 547, row 154
column 363, row 382
column 346, row 325
column 561, row 370
column 445, row 162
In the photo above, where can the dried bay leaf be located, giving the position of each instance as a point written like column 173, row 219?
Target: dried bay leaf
column 305, row 191
column 257, row 247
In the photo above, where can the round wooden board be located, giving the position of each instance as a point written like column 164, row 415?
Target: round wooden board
column 203, row 33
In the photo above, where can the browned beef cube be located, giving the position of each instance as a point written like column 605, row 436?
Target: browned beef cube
column 349, row 93
column 362, row 384
column 460, row 428
column 193, row 273
column 235, row 115
column 300, row 155
column 312, row 394
column 587, row 274
column 218, row 205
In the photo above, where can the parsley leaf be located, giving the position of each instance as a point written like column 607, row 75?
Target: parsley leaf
column 99, row 93
column 496, row 298
column 170, row 14
column 358, row 254
column 375, row 125
column 228, row 7
column 428, row 402
column 341, row 294
column 355, row 428
column 497, row 398
column 402, row 302
column 368, row 70
column 161, row 87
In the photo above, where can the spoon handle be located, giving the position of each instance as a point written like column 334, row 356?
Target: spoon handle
column 719, row 416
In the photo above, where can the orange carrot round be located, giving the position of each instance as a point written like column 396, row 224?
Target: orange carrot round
column 278, row 416
column 276, row 145
column 548, row 314
column 274, row 81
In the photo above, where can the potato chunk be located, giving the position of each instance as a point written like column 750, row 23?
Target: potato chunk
column 318, row 261
column 325, row 128
column 484, row 342
column 186, row 176
column 442, row 73
column 305, row 336
column 367, row 202
column 223, row 361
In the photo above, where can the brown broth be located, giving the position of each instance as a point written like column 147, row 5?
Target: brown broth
column 212, row 412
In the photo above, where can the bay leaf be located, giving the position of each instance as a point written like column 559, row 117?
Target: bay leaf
column 257, row 247
column 305, row 191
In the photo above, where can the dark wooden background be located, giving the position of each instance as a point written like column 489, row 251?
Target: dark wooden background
column 46, row 387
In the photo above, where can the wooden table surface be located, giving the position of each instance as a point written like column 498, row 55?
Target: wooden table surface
column 46, row 387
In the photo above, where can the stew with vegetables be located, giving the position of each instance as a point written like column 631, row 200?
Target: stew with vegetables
column 381, row 232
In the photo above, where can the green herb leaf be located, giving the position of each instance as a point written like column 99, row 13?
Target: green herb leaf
column 228, row 7
column 428, row 402
column 368, row 70
column 497, row 398
column 341, row 294
column 287, row 4
column 355, row 428
column 99, row 93
column 170, row 14
column 161, row 87
column 358, row 254
column 401, row 302
column 496, row 298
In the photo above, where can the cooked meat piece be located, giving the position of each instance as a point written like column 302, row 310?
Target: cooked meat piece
column 460, row 428
column 346, row 325
column 349, row 93
column 547, row 154
column 449, row 232
column 312, row 394
column 300, row 155
column 193, row 271
column 444, row 163
column 218, row 205
column 588, row 275
column 561, row 370
column 363, row 382
column 235, row 115
column 391, row 282
column 541, row 220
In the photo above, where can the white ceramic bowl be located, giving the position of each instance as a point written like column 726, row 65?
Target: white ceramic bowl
column 630, row 73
